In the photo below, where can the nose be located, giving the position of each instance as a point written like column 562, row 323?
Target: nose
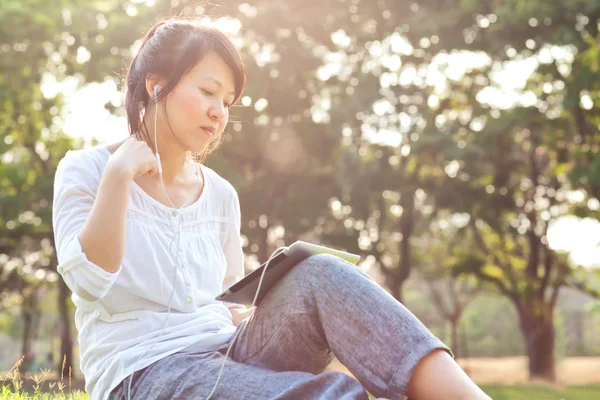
column 216, row 112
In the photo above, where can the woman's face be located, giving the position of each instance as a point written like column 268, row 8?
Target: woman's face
column 198, row 106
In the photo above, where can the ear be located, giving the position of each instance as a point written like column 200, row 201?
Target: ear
column 151, row 81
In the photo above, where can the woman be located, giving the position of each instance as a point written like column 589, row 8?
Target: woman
column 146, row 238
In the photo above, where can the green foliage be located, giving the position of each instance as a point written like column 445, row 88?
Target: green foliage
column 491, row 327
column 595, row 309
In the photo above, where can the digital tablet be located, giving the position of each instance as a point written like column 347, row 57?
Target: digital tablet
column 243, row 291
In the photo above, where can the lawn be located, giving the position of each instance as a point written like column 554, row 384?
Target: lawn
column 535, row 392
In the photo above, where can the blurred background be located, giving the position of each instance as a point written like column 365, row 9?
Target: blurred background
column 451, row 143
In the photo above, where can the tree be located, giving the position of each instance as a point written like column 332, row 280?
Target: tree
column 37, row 42
column 522, row 159
column 512, row 194
column 440, row 253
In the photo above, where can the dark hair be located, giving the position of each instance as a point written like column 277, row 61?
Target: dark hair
column 170, row 49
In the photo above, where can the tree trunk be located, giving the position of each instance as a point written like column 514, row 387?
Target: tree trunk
column 27, row 311
column 396, row 289
column 538, row 331
column 263, row 247
column 454, row 343
column 465, row 350
column 406, row 226
column 66, row 344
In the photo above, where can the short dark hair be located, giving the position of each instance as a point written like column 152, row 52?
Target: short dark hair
column 169, row 49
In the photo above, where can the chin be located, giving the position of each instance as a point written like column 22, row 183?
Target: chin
column 194, row 144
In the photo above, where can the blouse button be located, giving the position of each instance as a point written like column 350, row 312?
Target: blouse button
column 188, row 283
column 189, row 300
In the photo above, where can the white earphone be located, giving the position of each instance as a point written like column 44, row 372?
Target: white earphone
column 159, row 165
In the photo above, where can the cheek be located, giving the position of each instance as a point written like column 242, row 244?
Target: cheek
column 225, row 120
column 185, row 102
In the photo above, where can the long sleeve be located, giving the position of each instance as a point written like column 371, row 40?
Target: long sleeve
column 75, row 184
column 233, row 246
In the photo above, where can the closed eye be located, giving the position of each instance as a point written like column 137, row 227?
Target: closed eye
column 210, row 94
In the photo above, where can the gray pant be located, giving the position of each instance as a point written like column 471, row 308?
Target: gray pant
column 323, row 307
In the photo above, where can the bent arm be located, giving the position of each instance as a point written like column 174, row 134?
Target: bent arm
column 89, row 220
column 102, row 236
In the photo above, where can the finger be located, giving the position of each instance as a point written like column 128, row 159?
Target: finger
column 152, row 168
column 151, row 171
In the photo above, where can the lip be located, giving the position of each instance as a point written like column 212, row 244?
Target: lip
column 210, row 131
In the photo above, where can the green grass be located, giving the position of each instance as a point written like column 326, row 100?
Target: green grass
column 11, row 387
column 8, row 394
column 535, row 392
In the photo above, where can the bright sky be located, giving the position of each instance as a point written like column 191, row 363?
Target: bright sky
column 87, row 118
column 580, row 237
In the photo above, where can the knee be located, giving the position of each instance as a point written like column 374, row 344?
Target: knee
column 322, row 268
column 320, row 264
column 324, row 259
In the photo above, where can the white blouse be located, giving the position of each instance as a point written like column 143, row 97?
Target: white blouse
column 119, row 316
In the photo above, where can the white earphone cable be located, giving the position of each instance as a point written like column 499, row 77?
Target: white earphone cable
column 275, row 254
column 176, row 235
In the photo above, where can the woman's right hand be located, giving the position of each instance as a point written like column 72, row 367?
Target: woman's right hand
column 134, row 158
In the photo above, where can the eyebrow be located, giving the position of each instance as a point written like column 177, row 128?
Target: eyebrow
column 218, row 82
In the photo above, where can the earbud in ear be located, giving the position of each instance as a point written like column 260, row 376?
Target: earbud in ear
column 156, row 89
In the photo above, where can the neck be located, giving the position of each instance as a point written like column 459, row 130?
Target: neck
column 172, row 156
column 173, row 165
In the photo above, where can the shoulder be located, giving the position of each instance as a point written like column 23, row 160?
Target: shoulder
column 83, row 164
column 221, row 186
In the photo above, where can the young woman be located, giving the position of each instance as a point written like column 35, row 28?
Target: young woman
column 147, row 238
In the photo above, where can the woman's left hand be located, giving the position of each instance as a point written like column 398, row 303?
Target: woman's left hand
column 238, row 314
